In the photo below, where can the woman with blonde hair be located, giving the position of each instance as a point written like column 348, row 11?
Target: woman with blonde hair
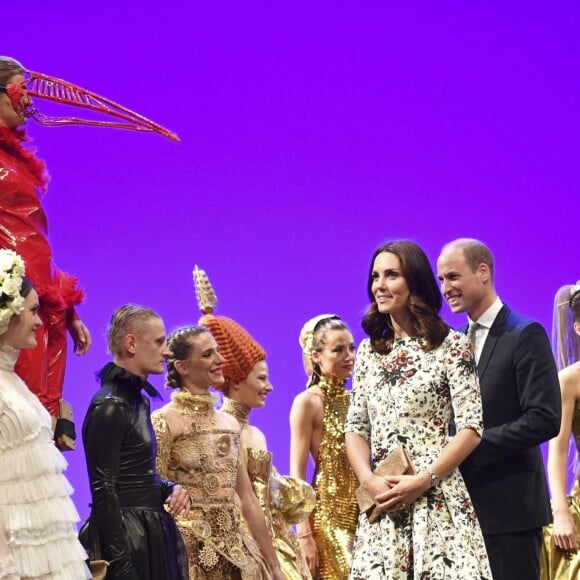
column 317, row 421
column 560, row 558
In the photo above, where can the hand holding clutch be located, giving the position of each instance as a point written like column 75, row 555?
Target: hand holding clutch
column 397, row 462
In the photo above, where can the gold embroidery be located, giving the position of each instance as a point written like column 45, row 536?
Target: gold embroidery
column 204, row 459
column 237, row 410
column 207, row 557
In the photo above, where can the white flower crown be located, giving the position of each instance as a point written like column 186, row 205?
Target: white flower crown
column 11, row 273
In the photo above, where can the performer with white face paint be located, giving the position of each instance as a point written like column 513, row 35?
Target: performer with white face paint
column 38, row 536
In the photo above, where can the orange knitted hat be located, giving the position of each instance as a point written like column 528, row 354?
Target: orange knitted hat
column 240, row 351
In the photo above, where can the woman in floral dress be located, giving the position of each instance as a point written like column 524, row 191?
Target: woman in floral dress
column 411, row 376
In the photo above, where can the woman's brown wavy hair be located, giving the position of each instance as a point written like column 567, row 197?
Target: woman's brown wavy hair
column 424, row 300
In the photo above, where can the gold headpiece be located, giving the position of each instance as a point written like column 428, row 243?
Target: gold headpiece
column 240, row 351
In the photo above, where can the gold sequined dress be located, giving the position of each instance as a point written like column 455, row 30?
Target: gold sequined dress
column 333, row 520
column 557, row 564
column 204, row 460
column 284, row 500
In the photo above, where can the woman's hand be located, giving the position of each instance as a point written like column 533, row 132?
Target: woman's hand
column 403, row 490
column 278, row 574
column 81, row 337
column 310, row 551
column 565, row 533
column 178, row 501
column 377, row 486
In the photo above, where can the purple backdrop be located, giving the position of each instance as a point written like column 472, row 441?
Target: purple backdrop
column 310, row 133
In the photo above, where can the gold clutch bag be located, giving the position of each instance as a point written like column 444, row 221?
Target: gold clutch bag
column 397, row 462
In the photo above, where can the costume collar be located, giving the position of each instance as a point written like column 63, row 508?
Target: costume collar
column 237, row 410
column 115, row 373
column 331, row 385
column 11, row 141
column 204, row 404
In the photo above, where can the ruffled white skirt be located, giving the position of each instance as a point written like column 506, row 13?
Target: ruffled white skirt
column 37, row 514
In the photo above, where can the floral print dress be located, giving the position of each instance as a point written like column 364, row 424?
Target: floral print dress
column 409, row 396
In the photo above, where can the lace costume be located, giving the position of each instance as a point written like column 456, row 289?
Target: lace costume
column 24, row 229
column 333, row 520
column 128, row 517
column 555, row 563
column 284, row 500
column 205, row 461
column 37, row 516
column 409, row 395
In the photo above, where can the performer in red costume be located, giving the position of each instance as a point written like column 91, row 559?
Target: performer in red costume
column 23, row 228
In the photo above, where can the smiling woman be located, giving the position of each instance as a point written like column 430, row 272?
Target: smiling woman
column 37, row 518
column 199, row 448
column 284, row 500
column 410, row 376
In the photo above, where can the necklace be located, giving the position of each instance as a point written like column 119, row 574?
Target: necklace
column 237, row 410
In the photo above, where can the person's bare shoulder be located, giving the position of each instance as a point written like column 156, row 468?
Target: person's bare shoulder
column 309, row 404
column 570, row 379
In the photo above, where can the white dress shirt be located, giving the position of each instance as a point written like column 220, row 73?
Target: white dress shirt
column 485, row 322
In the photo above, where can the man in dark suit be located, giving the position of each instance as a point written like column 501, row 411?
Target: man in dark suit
column 521, row 409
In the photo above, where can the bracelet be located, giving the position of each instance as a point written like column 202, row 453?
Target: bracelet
column 435, row 479
column 304, row 535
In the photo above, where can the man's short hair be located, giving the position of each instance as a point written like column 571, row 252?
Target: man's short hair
column 129, row 318
column 475, row 253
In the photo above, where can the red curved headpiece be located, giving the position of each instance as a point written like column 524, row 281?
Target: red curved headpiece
column 65, row 93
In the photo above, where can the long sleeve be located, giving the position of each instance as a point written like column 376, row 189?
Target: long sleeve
column 538, row 394
column 463, row 384
column 104, row 430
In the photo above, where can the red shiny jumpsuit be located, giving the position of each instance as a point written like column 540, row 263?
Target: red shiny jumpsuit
column 23, row 228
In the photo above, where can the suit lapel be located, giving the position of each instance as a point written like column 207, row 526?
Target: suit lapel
column 493, row 335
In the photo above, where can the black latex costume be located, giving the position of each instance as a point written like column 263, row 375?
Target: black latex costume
column 135, row 532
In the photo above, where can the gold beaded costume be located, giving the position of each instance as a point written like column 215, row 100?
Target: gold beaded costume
column 334, row 519
column 204, row 460
column 284, row 500
column 555, row 563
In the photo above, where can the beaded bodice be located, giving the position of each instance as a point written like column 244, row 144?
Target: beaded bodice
column 333, row 520
column 332, row 460
column 207, row 463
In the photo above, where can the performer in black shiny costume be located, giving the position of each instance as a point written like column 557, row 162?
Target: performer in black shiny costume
column 128, row 520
